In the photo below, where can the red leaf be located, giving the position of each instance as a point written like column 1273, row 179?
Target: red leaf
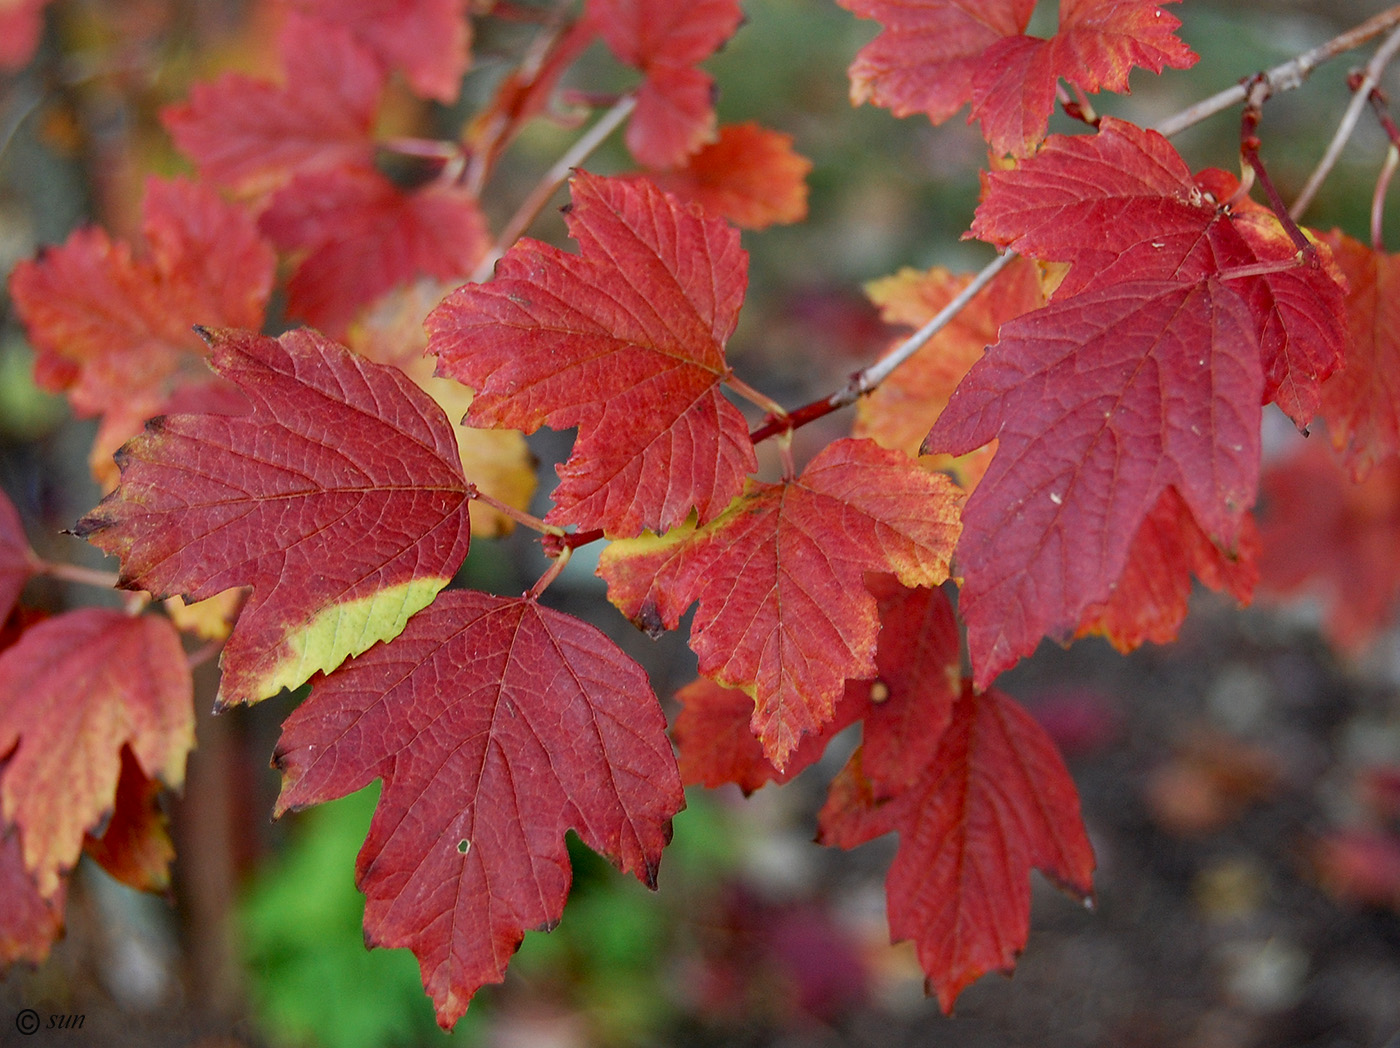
column 1326, row 535
column 134, row 846
column 253, row 135
column 113, row 328
column 75, row 689
column 363, row 236
column 21, row 24
column 1360, row 403
column 625, row 341
column 935, row 55
column 496, row 726
column 1149, row 601
column 428, row 39
column 1100, row 403
column 29, row 922
column 749, row 175
column 292, row 498
column 675, row 106
column 784, row 611
column 17, row 560
column 994, row 802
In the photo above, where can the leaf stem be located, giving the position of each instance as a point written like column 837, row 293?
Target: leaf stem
column 551, row 180
column 529, row 520
column 551, row 573
column 1259, row 92
column 761, row 400
column 79, row 574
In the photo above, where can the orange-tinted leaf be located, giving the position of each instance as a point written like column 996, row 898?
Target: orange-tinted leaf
column 74, row 690
column 17, row 560
column 899, row 413
column 29, row 922
column 994, row 802
column 496, row 726
column 134, row 846
column 1149, row 601
column 253, row 135
column 1326, row 535
column 1361, row 403
column 427, row 39
column 113, row 328
column 625, row 341
column 784, row 610
column 337, row 496
column 750, row 175
column 363, row 236
column 935, row 55
column 675, row 106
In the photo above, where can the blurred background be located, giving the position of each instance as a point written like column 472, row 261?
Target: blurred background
column 1242, row 787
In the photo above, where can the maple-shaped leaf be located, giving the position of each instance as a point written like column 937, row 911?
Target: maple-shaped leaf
column 17, row 560
column 934, row 56
column 253, row 135
column 675, row 113
column 1122, row 205
column 337, row 496
column 749, row 174
column 784, row 612
column 900, row 411
column 625, row 341
column 496, row 725
column 1329, row 536
column 29, row 921
column 994, row 802
column 111, row 327
column 134, row 845
column 75, row 689
column 428, row 39
column 359, row 236
column 1362, row 403
column 1100, row 402
column 1149, row 601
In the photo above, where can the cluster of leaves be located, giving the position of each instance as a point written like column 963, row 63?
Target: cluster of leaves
column 314, row 488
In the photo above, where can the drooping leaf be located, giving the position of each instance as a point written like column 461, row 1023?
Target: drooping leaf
column 359, row 236
column 675, row 106
column 784, row 612
column 749, row 175
column 1326, row 535
column 134, row 846
column 112, row 327
column 625, row 341
column 74, row 690
column 496, row 726
column 337, row 497
column 1361, row 403
column 428, row 39
column 994, row 802
column 16, row 558
column 933, row 56
column 29, row 922
column 253, row 135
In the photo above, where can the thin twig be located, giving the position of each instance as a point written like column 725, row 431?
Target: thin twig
column 78, row 573
column 1361, row 92
column 1259, row 91
column 552, row 180
column 1392, row 160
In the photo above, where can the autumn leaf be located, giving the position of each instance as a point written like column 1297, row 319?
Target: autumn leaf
column 625, row 341
column 496, row 725
column 29, row 922
column 74, row 690
column 17, row 560
column 21, row 23
column 134, row 845
column 1360, row 403
column 112, row 327
column 934, row 56
column 994, row 801
column 337, row 497
column 675, row 113
column 253, row 135
column 428, row 39
column 784, row 612
column 358, row 236
column 749, row 175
